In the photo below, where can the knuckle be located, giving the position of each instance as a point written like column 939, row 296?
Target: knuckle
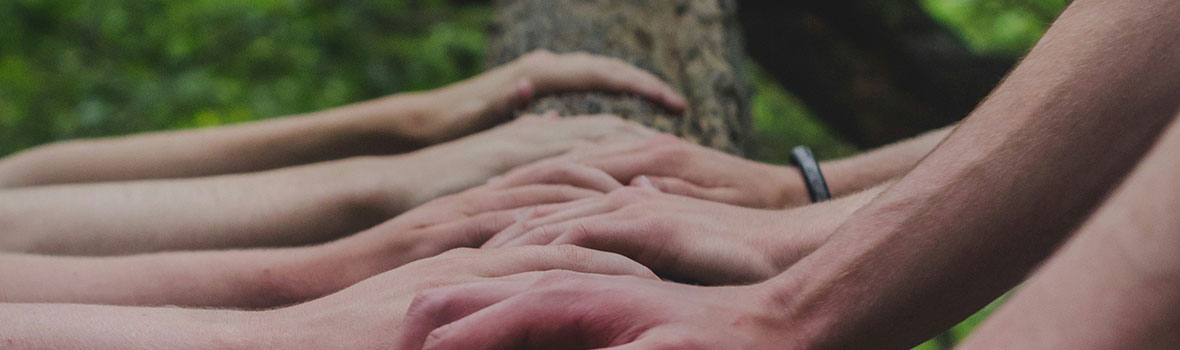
column 557, row 278
column 629, row 195
column 428, row 303
column 437, row 338
column 462, row 252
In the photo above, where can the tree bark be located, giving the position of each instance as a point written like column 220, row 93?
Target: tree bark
column 694, row 45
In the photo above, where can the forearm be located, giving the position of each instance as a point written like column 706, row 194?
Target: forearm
column 274, row 143
column 243, row 279
column 1001, row 191
column 283, row 207
column 856, row 173
column 812, row 225
column 70, row 326
column 1114, row 285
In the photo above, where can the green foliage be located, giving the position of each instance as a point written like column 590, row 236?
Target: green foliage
column 1003, row 27
column 783, row 122
column 106, row 67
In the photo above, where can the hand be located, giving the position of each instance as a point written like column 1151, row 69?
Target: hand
column 454, row 166
column 680, row 167
column 366, row 315
column 679, row 237
column 491, row 97
column 566, row 310
column 466, row 219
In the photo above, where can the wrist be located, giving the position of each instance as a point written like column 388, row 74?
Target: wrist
column 455, row 111
column 782, row 298
column 788, row 187
column 792, row 234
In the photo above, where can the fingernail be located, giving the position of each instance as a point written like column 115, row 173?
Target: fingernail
column 494, row 180
column 643, row 182
column 524, row 90
column 551, row 114
column 524, row 214
column 676, row 100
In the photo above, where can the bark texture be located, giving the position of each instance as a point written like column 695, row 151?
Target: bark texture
column 695, row 45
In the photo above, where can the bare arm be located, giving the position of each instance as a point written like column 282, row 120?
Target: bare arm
column 859, row 172
column 70, row 326
column 262, row 278
column 1005, row 188
column 363, row 316
column 1114, row 286
column 388, row 125
column 290, row 206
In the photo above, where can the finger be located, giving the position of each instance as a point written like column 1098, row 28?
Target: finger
column 615, row 236
column 580, row 71
column 524, row 215
column 472, row 231
column 642, row 343
column 511, row 261
column 515, row 320
column 632, row 160
column 437, row 307
column 528, row 195
column 611, row 147
column 676, row 186
column 542, row 230
column 560, row 172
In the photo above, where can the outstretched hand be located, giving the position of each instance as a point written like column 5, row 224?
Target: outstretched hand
column 491, row 97
column 679, row 167
column 568, row 310
column 365, row 315
column 679, row 237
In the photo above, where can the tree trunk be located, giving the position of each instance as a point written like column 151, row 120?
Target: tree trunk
column 875, row 71
column 694, row 45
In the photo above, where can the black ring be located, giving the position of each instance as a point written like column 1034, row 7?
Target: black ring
column 817, row 187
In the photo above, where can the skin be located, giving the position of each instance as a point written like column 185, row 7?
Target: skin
column 264, row 278
column 359, row 317
column 684, row 238
column 389, row 125
column 1122, row 266
column 679, row 167
column 283, row 207
column 965, row 225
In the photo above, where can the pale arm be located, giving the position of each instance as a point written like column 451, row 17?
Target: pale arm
column 289, row 206
column 1114, row 286
column 69, row 326
column 1002, row 190
column 383, row 126
column 859, row 172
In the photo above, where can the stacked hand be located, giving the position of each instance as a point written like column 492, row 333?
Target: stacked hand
column 568, row 310
column 366, row 315
column 676, row 166
column 454, row 166
column 679, row 237
column 491, row 97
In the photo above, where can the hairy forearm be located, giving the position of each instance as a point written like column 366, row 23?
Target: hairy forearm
column 857, row 173
column 281, row 207
column 71, row 326
column 1114, row 285
column 255, row 146
column 1002, row 190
